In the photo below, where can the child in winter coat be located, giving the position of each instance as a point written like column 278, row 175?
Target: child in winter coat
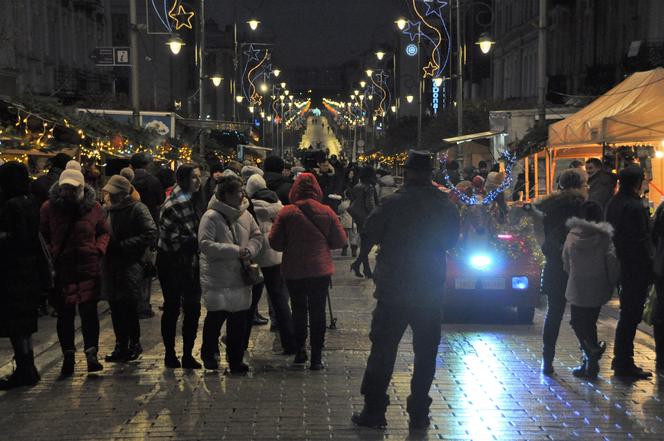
column 348, row 224
column 589, row 258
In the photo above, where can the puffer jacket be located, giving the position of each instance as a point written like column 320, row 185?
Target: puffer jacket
column 266, row 208
column 306, row 246
column 78, row 257
column 133, row 231
column 220, row 267
column 589, row 259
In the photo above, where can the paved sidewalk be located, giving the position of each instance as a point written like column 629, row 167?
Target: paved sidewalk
column 487, row 387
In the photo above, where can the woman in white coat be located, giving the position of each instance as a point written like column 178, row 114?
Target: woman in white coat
column 227, row 235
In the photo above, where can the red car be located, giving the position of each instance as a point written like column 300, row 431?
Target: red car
column 492, row 276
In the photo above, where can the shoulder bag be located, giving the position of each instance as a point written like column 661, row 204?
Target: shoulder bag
column 251, row 272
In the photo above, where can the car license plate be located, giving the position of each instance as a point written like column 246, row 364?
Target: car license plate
column 493, row 283
column 464, row 283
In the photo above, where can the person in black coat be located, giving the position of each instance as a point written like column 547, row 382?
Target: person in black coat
column 23, row 271
column 601, row 183
column 147, row 185
column 556, row 210
column 41, row 186
column 414, row 228
column 276, row 181
column 632, row 239
column 364, row 199
column 132, row 232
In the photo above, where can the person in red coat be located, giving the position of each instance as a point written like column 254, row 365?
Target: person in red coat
column 306, row 231
column 75, row 228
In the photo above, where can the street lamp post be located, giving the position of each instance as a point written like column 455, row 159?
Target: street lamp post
column 201, row 74
column 541, row 70
column 133, row 42
column 401, row 24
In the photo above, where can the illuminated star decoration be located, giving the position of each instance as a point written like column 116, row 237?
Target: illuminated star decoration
column 412, row 29
column 180, row 16
column 435, row 7
column 252, row 54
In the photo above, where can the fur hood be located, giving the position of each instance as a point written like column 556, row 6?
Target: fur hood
column 560, row 199
column 89, row 199
column 585, row 227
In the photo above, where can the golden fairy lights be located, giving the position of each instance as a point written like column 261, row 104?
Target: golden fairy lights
column 391, row 160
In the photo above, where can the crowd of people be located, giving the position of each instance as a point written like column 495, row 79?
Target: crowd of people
column 220, row 237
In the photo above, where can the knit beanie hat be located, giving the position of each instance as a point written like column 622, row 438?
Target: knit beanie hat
column 73, row 165
column 71, row 177
column 254, row 184
column 128, row 173
column 249, row 170
column 118, row 184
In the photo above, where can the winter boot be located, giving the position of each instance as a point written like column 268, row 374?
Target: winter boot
column 67, row 369
column 547, row 365
column 119, row 354
column 171, row 359
column 582, row 370
column 316, row 360
column 135, row 351
column 91, row 358
column 300, row 357
column 373, row 413
column 25, row 374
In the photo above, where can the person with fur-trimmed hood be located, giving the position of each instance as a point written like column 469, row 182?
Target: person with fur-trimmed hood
column 76, row 231
column 590, row 261
column 556, row 210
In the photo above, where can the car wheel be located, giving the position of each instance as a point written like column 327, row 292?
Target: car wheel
column 525, row 314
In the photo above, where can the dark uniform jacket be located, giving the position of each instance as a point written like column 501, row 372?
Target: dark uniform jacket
column 414, row 228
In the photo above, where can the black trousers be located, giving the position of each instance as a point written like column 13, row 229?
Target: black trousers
column 236, row 324
column 584, row 324
column 89, row 325
column 387, row 328
column 182, row 290
column 658, row 325
column 554, row 284
column 633, row 294
column 124, row 315
column 274, row 284
column 363, row 257
column 308, row 298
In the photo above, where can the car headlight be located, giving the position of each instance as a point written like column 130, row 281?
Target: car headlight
column 480, row 262
column 520, row 283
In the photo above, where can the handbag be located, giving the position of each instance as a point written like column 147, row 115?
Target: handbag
column 250, row 271
column 49, row 267
column 650, row 308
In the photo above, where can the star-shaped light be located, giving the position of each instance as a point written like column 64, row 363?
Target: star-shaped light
column 412, row 29
column 382, row 77
column 430, row 69
column 181, row 16
column 253, row 54
column 435, row 7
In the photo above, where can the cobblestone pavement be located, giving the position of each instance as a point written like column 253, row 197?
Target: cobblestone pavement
column 487, row 387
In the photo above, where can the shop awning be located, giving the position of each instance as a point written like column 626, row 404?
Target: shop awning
column 630, row 113
column 471, row 137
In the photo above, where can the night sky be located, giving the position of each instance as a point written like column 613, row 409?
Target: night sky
column 315, row 32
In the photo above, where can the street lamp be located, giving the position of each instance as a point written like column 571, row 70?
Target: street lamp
column 175, row 43
column 380, row 55
column 216, row 79
column 363, row 84
column 253, row 24
column 276, row 72
column 410, row 98
column 401, row 23
column 394, row 109
column 286, row 92
column 238, row 99
column 438, row 81
column 485, row 42
column 251, row 109
column 369, row 72
column 264, row 88
column 283, row 85
column 356, row 92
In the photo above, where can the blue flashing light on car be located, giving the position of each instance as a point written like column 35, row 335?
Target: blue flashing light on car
column 480, row 262
column 520, row 283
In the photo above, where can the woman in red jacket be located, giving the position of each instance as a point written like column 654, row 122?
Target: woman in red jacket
column 306, row 231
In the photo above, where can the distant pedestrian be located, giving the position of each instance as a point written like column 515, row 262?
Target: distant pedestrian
column 133, row 232
column 306, row 231
column 210, row 186
column 632, row 239
column 275, row 179
column 178, row 266
column 556, row 210
column 602, row 184
column 414, row 229
column 386, row 184
column 129, row 175
column 75, row 228
column 589, row 259
column 42, row 185
column 363, row 201
column 349, row 226
column 229, row 238
column 23, row 271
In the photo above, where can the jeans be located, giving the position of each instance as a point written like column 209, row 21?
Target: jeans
column 236, row 324
column 554, row 284
column 387, row 328
column 633, row 294
column 308, row 298
column 89, row 325
column 277, row 295
column 584, row 324
column 181, row 290
column 124, row 315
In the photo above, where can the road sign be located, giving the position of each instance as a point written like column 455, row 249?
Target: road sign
column 110, row 56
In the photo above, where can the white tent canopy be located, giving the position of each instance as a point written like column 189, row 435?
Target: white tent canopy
column 630, row 113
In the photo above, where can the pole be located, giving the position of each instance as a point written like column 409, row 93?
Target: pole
column 419, row 83
column 354, row 152
column 201, row 74
column 459, row 71
column 235, row 63
column 133, row 43
column 541, row 65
